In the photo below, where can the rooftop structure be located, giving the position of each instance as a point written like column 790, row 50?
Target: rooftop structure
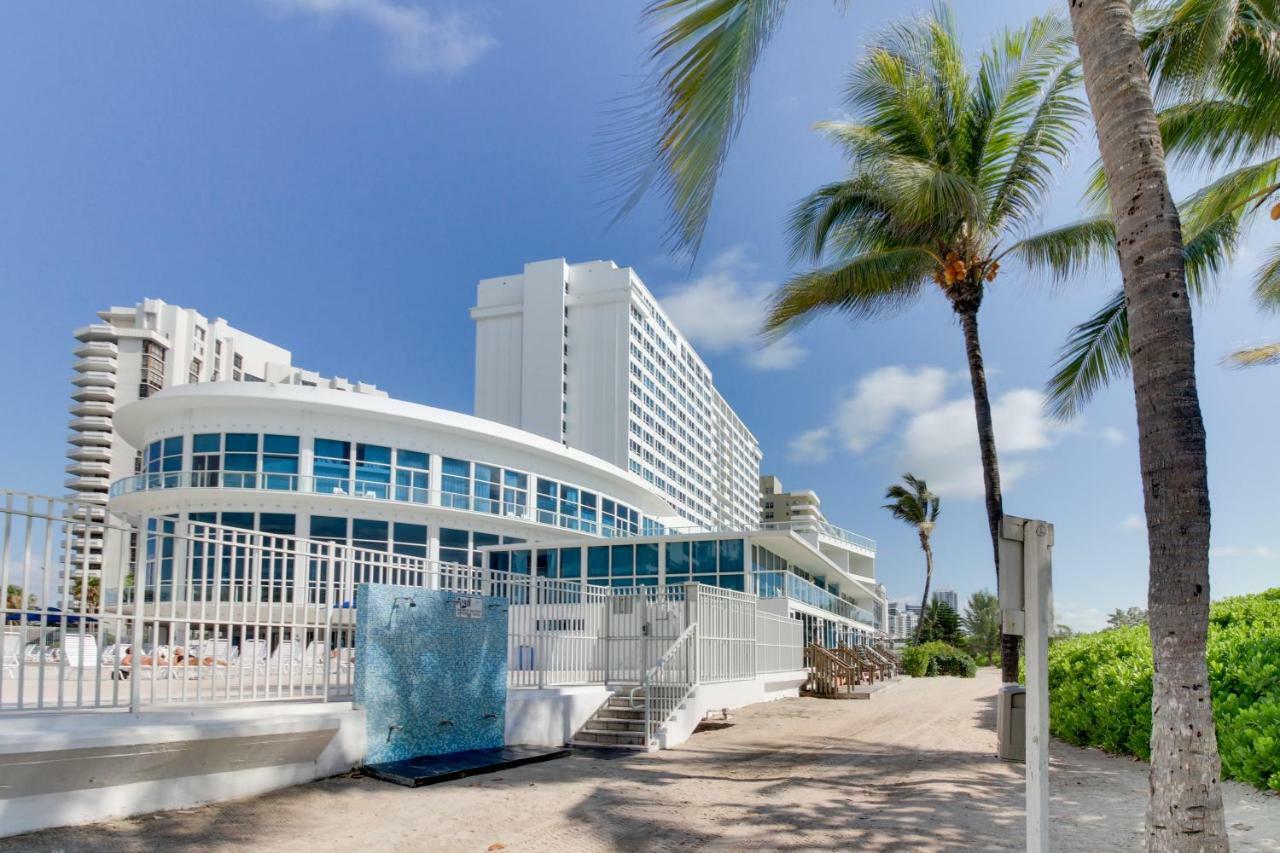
column 584, row 355
column 779, row 505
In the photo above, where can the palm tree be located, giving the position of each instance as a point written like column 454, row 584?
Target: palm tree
column 1216, row 71
column 1255, row 356
column 948, row 170
column 1184, row 811
column 915, row 505
column 703, row 55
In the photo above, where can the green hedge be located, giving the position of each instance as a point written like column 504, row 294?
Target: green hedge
column 1100, row 688
column 937, row 658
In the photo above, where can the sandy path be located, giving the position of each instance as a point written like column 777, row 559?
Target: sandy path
column 911, row 769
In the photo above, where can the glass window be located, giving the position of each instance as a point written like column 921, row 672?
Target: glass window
column 455, row 546
column 280, row 462
column 704, row 556
column 243, row 520
column 487, row 488
column 731, row 556
column 413, row 477
column 571, row 563
column 622, row 563
column 206, row 459
column 410, row 539
column 369, row 533
column 373, row 471
column 332, row 466
column 330, row 528
column 282, row 523
column 647, row 558
column 520, row 562
column 546, row 566
column 677, row 558
column 515, row 494
column 455, row 483
column 598, row 561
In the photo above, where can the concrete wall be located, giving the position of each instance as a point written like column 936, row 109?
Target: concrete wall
column 730, row 695
column 63, row 769
column 550, row 716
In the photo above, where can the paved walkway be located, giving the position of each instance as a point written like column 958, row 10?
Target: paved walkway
column 913, row 769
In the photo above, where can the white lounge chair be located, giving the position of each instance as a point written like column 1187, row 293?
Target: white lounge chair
column 10, row 653
column 79, row 652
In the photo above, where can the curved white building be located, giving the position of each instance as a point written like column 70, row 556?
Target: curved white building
column 373, row 472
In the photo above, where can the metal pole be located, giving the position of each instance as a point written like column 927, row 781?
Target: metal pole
column 1038, row 575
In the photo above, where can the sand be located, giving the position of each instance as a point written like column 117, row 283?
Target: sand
column 912, row 769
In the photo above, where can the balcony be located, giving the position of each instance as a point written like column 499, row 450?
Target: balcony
column 92, row 438
column 91, row 422
column 86, row 484
column 95, row 362
column 97, row 378
column 96, row 332
column 89, row 468
column 94, row 392
column 823, row 528
column 85, row 408
column 372, row 491
column 90, row 454
column 104, row 348
column 788, row 585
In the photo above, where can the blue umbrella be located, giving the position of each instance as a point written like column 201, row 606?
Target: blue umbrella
column 52, row 616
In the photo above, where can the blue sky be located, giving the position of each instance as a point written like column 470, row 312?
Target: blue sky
column 336, row 175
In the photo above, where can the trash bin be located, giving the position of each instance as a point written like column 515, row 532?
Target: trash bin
column 1011, row 723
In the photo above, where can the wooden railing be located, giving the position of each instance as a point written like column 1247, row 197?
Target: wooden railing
column 856, row 657
column 829, row 674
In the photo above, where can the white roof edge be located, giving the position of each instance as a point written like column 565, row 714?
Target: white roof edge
column 129, row 419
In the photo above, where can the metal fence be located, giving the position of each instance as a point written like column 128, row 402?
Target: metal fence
column 194, row 613
column 779, row 643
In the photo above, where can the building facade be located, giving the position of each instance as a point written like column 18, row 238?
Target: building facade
column 369, row 472
column 132, row 354
column 779, row 505
column 583, row 355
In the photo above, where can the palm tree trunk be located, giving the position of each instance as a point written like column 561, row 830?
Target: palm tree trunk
column 1185, row 808
column 968, row 313
column 928, row 578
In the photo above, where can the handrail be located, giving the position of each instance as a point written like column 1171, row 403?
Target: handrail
column 667, row 704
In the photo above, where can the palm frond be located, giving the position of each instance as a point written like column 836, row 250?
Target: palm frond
column 868, row 285
column 1098, row 349
column 1066, row 252
column 1255, row 356
column 1214, row 132
column 1238, row 192
column 1024, row 178
column 676, row 140
column 1266, row 281
column 1096, row 352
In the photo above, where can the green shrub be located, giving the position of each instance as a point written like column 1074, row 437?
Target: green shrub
column 937, row 658
column 1100, row 688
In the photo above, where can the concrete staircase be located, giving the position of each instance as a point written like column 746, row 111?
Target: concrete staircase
column 617, row 725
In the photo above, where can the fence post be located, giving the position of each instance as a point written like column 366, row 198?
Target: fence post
column 535, row 599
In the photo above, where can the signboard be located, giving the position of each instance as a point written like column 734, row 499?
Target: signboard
column 468, row 607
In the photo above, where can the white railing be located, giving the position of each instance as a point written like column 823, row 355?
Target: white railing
column 169, row 612
column 779, row 643
column 667, row 684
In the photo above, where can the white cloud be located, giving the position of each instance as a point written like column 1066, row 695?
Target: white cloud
column 723, row 309
column 810, row 446
column 1080, row 618
column 907, row 417
column 880, row 397
column 1111, row 435
column 1133, row 522
column 1227, row 552
column 420, row 41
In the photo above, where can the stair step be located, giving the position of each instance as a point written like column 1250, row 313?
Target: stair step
column 591, row 735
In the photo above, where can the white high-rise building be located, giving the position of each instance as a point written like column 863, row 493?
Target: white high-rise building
column 133, row 353
column 583, row 354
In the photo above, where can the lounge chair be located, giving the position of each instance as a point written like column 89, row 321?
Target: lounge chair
column 10, row 653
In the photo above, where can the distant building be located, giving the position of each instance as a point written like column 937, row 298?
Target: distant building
column 779, row 505
column 903, row 619
column 947, row 597
column 131, row 354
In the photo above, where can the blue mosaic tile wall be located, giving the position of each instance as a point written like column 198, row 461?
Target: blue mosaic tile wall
column 431, row 671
